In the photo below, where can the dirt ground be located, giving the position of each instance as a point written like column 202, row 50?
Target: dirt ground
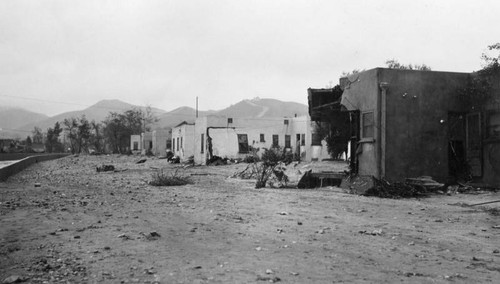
column 81, row 226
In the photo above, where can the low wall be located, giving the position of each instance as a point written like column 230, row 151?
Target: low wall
column 14, row 168
column 18, row 156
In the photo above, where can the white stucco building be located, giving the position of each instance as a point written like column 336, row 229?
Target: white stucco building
column 233, row 138
column 183, row 145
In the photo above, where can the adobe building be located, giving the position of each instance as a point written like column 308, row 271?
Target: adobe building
column 408, row 123
column 234, row 138
column 155, row 142
column 183, row 141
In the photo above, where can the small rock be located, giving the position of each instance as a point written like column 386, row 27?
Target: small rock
column 258, row 248
column 411, row 243
column 37, row 184
column 496, row 251
column 269, row 271
column 14, row 279
column 76, row 237
column 299, row 223
column 283, row 213
column 294, row 273
column 107, row 248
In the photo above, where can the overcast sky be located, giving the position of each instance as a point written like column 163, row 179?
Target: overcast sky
column 57, row 56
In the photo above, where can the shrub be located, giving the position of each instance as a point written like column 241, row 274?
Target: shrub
column 272, row 164
column 164, row 179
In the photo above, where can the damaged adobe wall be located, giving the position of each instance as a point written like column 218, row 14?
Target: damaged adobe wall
column 417, row 107
column 491, row 144
column 361, row 93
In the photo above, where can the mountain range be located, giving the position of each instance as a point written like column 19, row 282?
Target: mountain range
column 17, row 122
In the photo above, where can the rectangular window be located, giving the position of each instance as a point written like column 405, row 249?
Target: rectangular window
column 242, row 143
column 202, row 143
column 367, row 125
column 288, row 141
column 303, row 140
column 230, row 120
column 262, row 138
column 182, row 144
column 136, row 145
column 286, row 121
column 276, row 140
column 173, row 144
column 177, row 144
column 169, row 144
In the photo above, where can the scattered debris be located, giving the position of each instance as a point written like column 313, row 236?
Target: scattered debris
column 105, row 168
column 124, row 237
column 216, row 161
column 268, row 279
column 323, row 230
column 372, row 233
column 383, row 188
column 425, row 181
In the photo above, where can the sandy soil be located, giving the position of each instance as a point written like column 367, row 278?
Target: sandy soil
column 81, row 226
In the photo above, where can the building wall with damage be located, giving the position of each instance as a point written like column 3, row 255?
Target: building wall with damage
column 491, row 142
column 161, row 139
column 154, row 142
column 420, row 123
column 135, row 143
column 218, row 135
column 417, row 122
column 361, row 93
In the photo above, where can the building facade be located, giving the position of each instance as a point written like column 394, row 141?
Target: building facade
column 183, row 141
column 236, row 138
column 414, row 123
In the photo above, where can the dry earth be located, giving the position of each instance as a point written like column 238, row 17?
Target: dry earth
column 81, row 226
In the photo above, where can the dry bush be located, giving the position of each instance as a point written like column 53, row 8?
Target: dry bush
column 161, row 178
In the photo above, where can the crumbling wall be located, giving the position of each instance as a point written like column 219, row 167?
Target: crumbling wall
column 418, row 103
column 361, row 93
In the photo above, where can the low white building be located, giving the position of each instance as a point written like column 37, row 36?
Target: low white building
column 183, row 141
column 157, row 142
column 234, row 138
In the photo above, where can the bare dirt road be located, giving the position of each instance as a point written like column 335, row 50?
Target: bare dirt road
column 81, row 226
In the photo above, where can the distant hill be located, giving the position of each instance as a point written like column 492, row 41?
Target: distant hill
column 13, row 118
column 264, row 108
column 97, row 112
column 256, row 108
column 178, row 115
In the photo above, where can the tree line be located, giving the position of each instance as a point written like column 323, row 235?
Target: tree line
column 79, row 135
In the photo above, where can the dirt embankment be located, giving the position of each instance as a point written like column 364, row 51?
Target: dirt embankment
column 112, row 227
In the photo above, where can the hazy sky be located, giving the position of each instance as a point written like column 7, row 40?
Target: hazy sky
column 57, row 56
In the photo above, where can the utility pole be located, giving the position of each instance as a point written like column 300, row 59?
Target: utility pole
column 196, row 106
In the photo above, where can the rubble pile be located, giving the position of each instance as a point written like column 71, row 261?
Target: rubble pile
column 383, row 188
